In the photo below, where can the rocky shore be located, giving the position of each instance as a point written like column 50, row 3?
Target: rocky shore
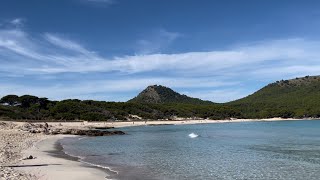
column 54, row 130
column 12, row 143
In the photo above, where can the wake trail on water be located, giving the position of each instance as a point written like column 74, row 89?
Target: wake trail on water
column 193, row 135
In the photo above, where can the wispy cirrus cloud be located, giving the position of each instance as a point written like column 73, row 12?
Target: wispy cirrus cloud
column 12, row 23
column 77, row 89
column 156, row 41
column 280, row 54
column 65, row 43
column 18, row 22
column 221, row 95
column 210, row 75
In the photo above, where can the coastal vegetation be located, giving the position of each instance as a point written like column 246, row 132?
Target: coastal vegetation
column 296, row 98
column 89, row 110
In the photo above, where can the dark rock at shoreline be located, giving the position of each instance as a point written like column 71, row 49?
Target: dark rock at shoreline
column 90, row 132
column 39, row 128
column 85, row 132
column 102, row 128
column 160, row 124
column 29, row 157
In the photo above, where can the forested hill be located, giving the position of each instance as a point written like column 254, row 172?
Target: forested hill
column 299, row 97
column 160, row 94
column 34, row 108
column 295, row 98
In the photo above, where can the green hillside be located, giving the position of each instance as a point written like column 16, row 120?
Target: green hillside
column 299, row 97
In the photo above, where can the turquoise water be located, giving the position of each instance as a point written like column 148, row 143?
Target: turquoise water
column 247, row 150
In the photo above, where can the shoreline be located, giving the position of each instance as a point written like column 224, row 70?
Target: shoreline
column 121, row 124
column 53, row 163
column 199, row 121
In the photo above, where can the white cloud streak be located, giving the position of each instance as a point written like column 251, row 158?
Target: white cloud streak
column 66, row 44
column 18, row 22
column 77, row 89
column 156, row 41
column 69, row 56
column 220, row 96
column 51, row 54
column 12, row 23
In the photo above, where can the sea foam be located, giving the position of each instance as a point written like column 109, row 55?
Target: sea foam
column 193, row 135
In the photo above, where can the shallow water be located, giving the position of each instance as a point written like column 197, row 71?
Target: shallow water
column 246, row 150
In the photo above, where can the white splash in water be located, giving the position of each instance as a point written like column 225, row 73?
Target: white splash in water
column 193, row 135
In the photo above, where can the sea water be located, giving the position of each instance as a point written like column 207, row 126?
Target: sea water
column 245, row 150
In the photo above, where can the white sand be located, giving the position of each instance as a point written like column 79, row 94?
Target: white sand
column 78, row 125
column 56, row 168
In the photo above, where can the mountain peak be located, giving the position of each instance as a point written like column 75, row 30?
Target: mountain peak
column 157, row 94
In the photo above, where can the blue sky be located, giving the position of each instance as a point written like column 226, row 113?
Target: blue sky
column 112, row 49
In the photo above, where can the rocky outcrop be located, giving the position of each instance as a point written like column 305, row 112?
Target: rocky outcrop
column 100, row 128
column 39, row 128
column 85, row 132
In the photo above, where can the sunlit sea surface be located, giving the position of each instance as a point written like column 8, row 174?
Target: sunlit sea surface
column 246, row 150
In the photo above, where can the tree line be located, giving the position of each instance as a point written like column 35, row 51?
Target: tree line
column 35, row 108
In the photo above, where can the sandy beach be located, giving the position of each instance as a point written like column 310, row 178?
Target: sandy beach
column 119, row 124
column 49, row 162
